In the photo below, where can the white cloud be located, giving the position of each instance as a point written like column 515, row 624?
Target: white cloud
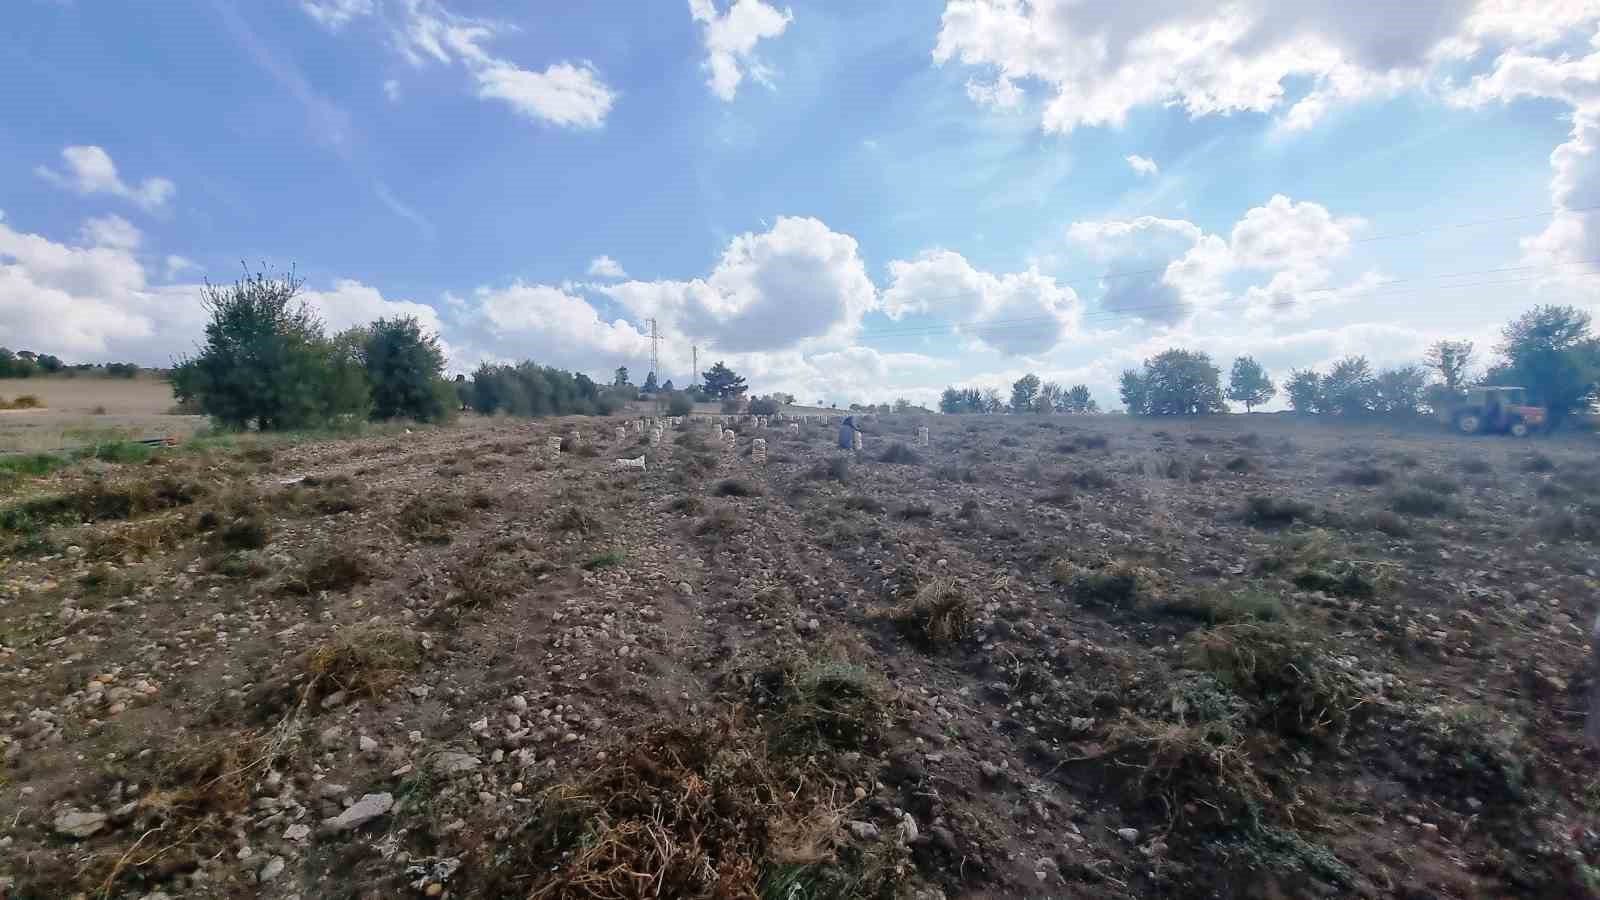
column 1100, row 61
column 110, row 231
column 335, row 14
column 797, row 282
column 351, row 303
column 177, row 265
column 606, row 267
column 568, row 94
column 90, row 170
column 1143, row 165
column 730, row 40
column 1019, row 313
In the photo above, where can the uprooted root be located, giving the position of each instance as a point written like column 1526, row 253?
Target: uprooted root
column 940, row 613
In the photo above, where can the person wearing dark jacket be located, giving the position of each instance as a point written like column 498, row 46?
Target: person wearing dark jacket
column 847, row 433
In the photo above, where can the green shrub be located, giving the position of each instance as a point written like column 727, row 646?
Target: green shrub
column 1419, row 501
column 1274, row 512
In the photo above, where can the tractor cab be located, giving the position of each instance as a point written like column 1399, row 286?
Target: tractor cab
column 1497, row 409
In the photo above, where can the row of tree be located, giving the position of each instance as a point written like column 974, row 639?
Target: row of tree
column 1028, row 395
column 26, row 364
column 1549, row 350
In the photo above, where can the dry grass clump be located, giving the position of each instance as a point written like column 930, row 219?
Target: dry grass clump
column 834, row 468
column 1299, row 689
column 431, row 517
column 137, row 539
column 1475, row 465
column 1572, row 523
column 813, row 705
column 1240, row 465
column 687, row 505
column 1194, row 769
column 1092, row 480
column 1119, row 586
column 1217, row 606
column 23, row 401
column 900, row 454
column 1467, row 750
column 248, row 532
column 687, row 813
column 720, row 522
column 367, row 660
column 736, row 487
column 332, row 569
column 862, row 503
column 1265, row 511
column 578, row 520
column 1363, row 475
column 939, row 613
column 1421, row 501
column 99, row 501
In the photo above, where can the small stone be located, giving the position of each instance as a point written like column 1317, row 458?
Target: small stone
column 369, row 807
column 865, row 831
column 271, row 870
column 332, row 791
column 569, row 738
column 77, row 824
column 117, row 709
column 451, row 763
column 480, row 727
column 297, row 832
column 516, row 787
column 434, row 889
column 860, row 792
column 518, row 703
column 332, row 737
column 685, row 589
column 367, row 745
column 1473, row 803
column 1128, row 834
column 908, row 829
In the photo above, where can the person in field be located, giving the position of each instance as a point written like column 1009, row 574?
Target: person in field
column 847, row 433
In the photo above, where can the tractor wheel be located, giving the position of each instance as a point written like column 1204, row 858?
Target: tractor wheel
column 1469, row 423
column 1519, row 429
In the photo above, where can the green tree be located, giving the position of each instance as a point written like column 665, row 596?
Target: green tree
column 1024, row 393
column 1249, row 384
column 1305, row 391
column 667, row 387
column 650, row 385
column 721, row 383
column 1349, row 388
column 1450, row 360
column 1078, row 401
column 265, row 362
column 620, row 377
column 1135, row 391
column 679, row 404
column 1052, row 398
column 404, row 366
column 1181, row 383
column 1549, row 351
column 48, row 364
column 1399, row 391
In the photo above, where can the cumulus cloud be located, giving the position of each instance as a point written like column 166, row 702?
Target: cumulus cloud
column 335, row 14
column 1162, row 270
column 1100, row 61
column 90, row 170
column 606, row 267
column 799, row 281
column 1143, row 165
column 350, row 303
column 177, row 265
column 730, row 40
column 1016, row 314
column 568, row 94
column 110, row 231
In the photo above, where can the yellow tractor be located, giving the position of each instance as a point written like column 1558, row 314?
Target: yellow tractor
column 1496, row 409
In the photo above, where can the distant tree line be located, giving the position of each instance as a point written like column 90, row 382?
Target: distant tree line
column 1028, row 395
column 1549, row 350
column 26, row 364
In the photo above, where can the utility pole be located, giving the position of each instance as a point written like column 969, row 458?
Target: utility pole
column 694, row 374
column 655, row 348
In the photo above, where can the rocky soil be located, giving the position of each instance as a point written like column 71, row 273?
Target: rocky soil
column 1059, row 656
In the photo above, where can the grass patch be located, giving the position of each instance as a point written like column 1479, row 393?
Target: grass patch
column 1420, row 501
column 607, row 560
column 1474, row 465
column 1191, row 769
column 821, row 705
column 1338, row 580
column 578, row 520
column 1466, row 750
column 900, row 454
column 431, row 517
column 1363, row 475
column 1217, row 606
column 1092, row 480
column 940, row 613
column 98, row 501
column 365, row 660
column 1264, row 511
column 332, row 570
column 687, row 505
column 862, row 503
column 834, row 468
column 735, row 487
column 1298, row 688
column 1118, row 586
column 914, row 511
column 718, row 523
column 247, row 532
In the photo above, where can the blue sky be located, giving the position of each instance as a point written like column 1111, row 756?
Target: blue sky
column 847, row 201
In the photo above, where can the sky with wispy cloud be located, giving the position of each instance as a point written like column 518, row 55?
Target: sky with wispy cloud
column 846, row 201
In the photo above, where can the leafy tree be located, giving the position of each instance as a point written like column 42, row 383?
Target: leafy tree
column 1180, row 382
column 1249, row 384
column 48, row 364
column 1078, row 401
column 1024, row 393
column 721, row 383
column 763, row 406
column 1550, row 351
column 650, row 385
column 1450, row 360
column 1135, row 391
column 1399, row 392
column 1051, row 398
column 14, row 366
column 1349, row 388
column 991, row 402
column 1305, row 391
column 265, row 362
column 620, row 377
column 679, row 405
column 404, row 365
column 526, row 389
column 782, row 398
column 668, row 388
